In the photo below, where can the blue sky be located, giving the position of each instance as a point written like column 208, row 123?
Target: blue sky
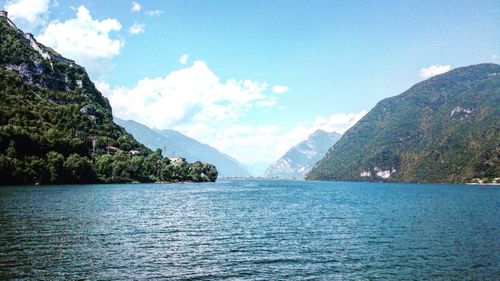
column 331, row 60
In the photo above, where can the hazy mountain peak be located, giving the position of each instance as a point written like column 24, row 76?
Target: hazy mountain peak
column 299, row 159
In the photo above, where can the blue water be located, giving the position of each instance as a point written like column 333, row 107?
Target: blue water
column 251, row 230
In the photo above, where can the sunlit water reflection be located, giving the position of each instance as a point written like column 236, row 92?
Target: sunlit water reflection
column 257, row 230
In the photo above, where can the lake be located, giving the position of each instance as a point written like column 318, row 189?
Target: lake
column 252, row 230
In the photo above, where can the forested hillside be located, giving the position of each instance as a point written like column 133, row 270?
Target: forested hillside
column 56, row 127
column 444, row 129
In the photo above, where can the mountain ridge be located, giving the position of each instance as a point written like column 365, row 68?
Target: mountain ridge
column 444, row 129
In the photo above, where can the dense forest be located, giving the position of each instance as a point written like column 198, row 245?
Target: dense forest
column 56, row 127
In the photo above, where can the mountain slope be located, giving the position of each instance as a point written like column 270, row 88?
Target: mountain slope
column 299, row 160
column 444, row 129
column 173, row 143
column 56, row 127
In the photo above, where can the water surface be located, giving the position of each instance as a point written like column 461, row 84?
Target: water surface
column 252, row 230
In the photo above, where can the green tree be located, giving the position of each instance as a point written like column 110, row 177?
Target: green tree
column 11, row 150
column 79, row 169
column 55, row 165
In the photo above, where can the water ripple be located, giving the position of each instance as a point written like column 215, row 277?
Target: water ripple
column 258, row 230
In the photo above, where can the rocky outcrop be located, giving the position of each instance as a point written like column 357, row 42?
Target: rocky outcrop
column 28, row 72
column 89, row 109
column 38, row 65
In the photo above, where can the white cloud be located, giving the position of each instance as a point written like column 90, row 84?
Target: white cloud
column 187, row 96
column 339, row 122
column 280, row 89
column 196, row 102
column 102, row 86
column 84, row 39
column 269, row 102
column 136, row 28
column 494, row 58
column 154, row 13
column 28, row 14
column 434, row 70
column 136, row 7
column 184, row 58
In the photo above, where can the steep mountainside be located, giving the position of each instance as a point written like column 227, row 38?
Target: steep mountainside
column 299, row 160
column 444, row 129
column 173, row 143
column 55, row 127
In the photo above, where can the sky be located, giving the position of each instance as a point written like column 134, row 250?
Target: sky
column 253, row 78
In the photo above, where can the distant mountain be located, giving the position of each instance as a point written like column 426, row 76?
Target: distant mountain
column 299, row 160
column 444, row 129
column 173, row 143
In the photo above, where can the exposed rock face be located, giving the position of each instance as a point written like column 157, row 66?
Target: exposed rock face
column 461, row 113
column 38, row 64
column 34, row 44
column 91, row 112
column 27, row 71
column 89, row 109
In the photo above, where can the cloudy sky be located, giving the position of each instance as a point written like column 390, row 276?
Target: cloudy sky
column 252, row 78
